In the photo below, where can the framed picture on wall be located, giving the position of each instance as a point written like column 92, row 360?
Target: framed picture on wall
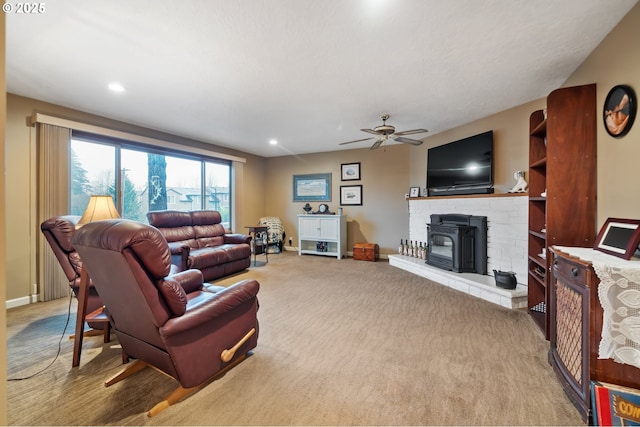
column 312, row 187
column 619, row 237
column 619, row 110
column 351, row 195
column 350, row 171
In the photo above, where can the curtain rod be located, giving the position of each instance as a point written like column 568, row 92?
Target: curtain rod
column 71, row 124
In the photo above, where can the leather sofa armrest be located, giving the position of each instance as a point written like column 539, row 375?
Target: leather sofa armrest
column 180, row 254
column 237, row 238
column 221, row 303
column 190, row 280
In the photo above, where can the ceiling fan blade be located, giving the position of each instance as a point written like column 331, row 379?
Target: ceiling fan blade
column 411, row 132
column 357, row 140
column 408, row 140
column 376, row 144
column 371, row 131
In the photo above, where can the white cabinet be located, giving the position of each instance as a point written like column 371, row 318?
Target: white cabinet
column 322, row 235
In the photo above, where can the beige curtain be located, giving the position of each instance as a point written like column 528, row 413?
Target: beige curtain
column 53, row 200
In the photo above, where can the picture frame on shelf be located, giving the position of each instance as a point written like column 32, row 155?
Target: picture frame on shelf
column 351, row 195
column 619, row 237
column 414, row 192
column 350, row 171
column 312, row 187
column 619, row 110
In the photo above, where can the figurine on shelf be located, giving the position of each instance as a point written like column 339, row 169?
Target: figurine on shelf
column 307, row 208
column 521, row 185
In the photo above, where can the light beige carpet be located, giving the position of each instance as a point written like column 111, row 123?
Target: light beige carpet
column 342, row 342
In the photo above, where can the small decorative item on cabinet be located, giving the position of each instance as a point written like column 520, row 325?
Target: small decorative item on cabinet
column 414, row 192
column 619, row 237
column 307, row 208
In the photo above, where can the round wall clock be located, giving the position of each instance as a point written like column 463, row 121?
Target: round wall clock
column 619, row 110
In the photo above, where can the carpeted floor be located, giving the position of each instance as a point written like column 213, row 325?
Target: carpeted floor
column 342, row 342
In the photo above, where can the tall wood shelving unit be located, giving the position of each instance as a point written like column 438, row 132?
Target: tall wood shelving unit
column 562, row 186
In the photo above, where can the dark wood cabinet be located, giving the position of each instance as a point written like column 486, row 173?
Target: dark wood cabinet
column 576, row 320
column 562, row 186
column 574, row 288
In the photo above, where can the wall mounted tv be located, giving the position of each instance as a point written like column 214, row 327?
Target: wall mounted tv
column 461, row 167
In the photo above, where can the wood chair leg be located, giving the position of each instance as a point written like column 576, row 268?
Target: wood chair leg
column 107, row 332
column 83, row 297
column 181, row 392
column 129, row 370
column 174, row 397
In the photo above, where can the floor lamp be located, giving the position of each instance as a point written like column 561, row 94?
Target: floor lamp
column 99, row 208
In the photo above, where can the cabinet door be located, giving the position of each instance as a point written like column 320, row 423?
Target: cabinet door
column 309, row 228
column 570, row 298
column 328, row 228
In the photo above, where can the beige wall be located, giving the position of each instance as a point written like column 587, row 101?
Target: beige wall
column 383, row 217
column 616, row 61
column 22, row 228
column 510, row 145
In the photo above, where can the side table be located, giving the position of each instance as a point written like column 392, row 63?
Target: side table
column 259, row 248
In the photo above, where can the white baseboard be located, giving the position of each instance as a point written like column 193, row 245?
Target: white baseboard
column 348, row 253
column 12, row 303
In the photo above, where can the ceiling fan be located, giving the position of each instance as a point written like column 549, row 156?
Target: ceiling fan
column 386, row 132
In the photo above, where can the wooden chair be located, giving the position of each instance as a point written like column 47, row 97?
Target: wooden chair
column 58, row 231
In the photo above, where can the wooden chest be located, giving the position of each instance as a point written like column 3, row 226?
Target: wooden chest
column 366, row 252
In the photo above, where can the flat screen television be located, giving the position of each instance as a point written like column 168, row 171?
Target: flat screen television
column 461, row 167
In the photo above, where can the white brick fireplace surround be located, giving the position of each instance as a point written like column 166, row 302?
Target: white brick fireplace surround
column 507, row 221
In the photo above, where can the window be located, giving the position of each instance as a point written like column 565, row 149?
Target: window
column 148, row 179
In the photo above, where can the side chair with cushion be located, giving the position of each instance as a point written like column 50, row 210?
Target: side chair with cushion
column 275, row 230
column 192, row 331
column 58, row 231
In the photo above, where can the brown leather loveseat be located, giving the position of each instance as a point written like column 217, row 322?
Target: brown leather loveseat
column 197, row 239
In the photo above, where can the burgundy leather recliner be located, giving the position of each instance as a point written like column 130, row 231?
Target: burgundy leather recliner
column 175, row 323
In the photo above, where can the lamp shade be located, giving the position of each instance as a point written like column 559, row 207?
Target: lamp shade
column 98, row 208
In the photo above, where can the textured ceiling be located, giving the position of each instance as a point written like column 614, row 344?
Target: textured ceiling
column 309, row 73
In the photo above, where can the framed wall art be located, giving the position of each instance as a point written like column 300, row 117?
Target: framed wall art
column 351, row 195
column 312, row 187
column 350, row 171
column 619, row 110
column 619, row 237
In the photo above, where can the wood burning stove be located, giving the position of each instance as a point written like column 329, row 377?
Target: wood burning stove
column 458, row 243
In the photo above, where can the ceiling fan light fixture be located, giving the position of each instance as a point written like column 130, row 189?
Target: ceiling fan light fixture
column 385, row 132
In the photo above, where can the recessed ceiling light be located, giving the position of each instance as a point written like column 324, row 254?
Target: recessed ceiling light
column 116, row 87
column 273, row 142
